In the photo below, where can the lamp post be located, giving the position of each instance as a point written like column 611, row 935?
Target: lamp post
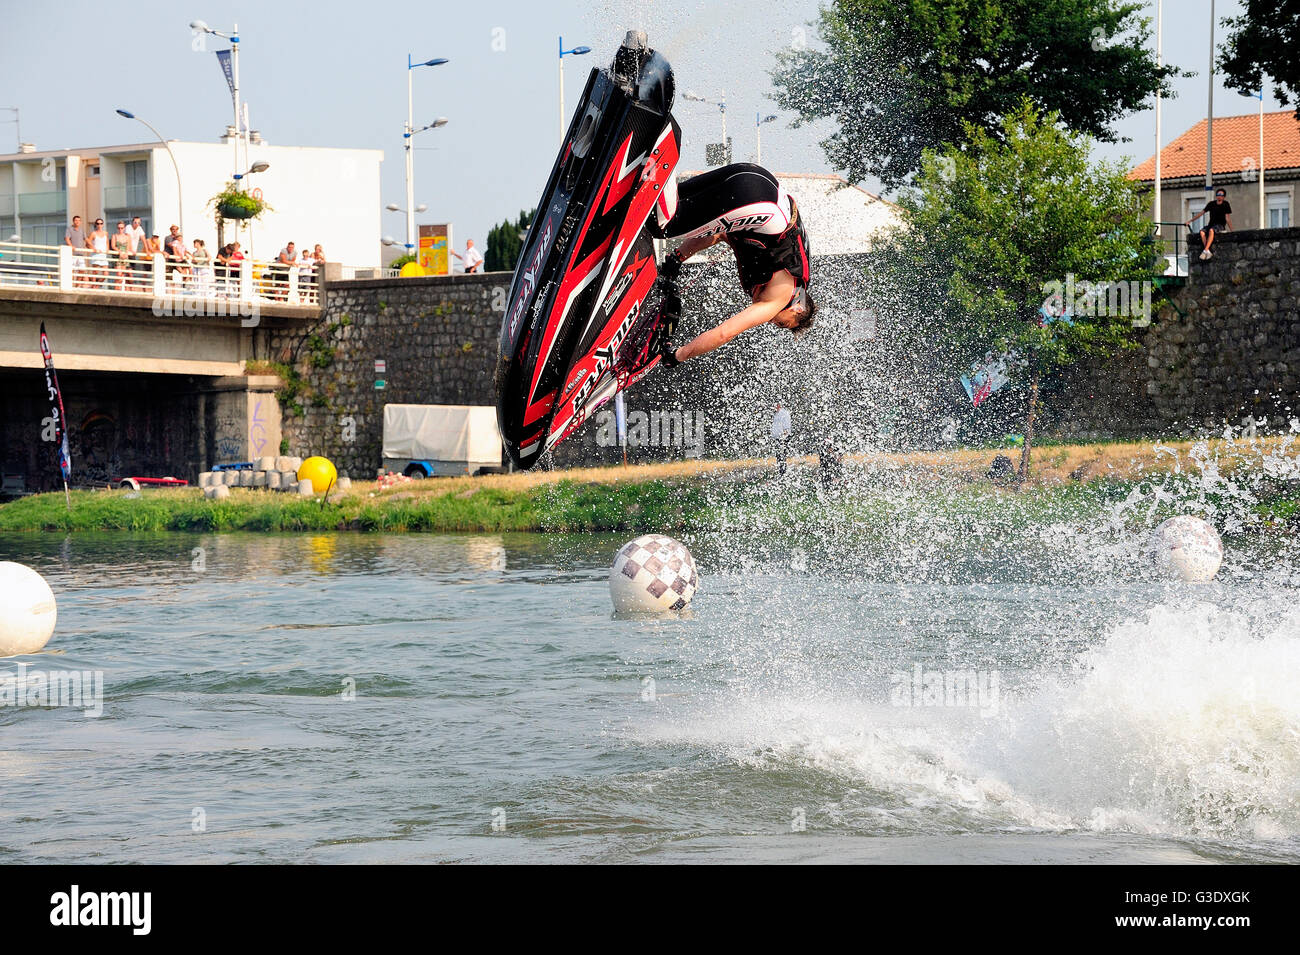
column 259, row 166
column 394, row 207
column 180, row 202
column 576, row 51
column 758, row 135
column 1209, row 121
column 720, row 102
column 18, row 128
column 200, row 26
column 1159, row 64
column 407, row 133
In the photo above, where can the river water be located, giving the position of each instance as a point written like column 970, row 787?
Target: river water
column 425, row 698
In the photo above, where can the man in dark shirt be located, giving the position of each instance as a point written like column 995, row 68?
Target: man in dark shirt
column 1220, row 213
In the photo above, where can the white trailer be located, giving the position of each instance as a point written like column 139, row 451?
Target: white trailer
column 440, row 440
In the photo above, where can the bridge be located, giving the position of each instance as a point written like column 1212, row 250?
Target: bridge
column 151, row 360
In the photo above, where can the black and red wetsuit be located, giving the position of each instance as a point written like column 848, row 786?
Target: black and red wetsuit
column 755, row 216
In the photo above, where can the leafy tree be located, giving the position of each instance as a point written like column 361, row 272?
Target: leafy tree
column 903, row 76
column 504, row 243
column 1265, row 40
column 991, row 223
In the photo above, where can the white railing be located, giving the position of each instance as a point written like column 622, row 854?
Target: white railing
column 62, row 268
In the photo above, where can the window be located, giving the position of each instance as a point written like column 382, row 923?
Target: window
column 1279, row 210
column 137, row 182
column 1193, row 203
column 45, row 230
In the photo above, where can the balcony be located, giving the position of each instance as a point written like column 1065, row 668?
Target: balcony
column 6, row 205
column 134, row 196
column 42, row 203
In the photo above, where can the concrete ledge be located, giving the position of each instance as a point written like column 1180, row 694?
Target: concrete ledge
column 139, row 307
column 432, row 281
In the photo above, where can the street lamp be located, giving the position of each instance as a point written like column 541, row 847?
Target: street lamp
column 758, row 135
column 199, row 26
column 407, row 132
column 180, row 202
column 260, row 166
column 720, row 102
column 394, row 207
column 576, row 51
column 18, row 126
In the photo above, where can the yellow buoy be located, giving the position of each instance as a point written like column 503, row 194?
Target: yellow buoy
column 411, row 270
column 320, row 471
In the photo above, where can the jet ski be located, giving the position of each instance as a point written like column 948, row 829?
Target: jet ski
column 582, row 305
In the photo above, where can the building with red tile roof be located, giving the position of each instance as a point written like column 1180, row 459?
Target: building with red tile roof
column 1236, row 168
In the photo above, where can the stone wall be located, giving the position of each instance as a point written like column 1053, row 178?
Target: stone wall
column 436, row 336
column 1235, row 354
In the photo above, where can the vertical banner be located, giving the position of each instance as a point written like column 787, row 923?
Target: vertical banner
column 223, row 57
column 56, row 408
column 434, row 249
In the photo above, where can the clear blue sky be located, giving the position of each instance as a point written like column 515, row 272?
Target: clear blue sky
column 332, row 73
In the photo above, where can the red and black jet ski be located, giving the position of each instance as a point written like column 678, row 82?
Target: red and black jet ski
column 577, row 324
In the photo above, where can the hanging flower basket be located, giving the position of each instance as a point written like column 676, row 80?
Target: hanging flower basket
column 232, row 210
column 231, row 203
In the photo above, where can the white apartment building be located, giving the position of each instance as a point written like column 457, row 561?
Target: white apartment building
column 317, row 195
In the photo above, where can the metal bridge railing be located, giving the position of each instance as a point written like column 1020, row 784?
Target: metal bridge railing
column 1171, row 241
column 63, row 268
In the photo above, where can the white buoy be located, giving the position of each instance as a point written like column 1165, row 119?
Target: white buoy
column 653, row 574
column 27, row 610
column 1187, row 547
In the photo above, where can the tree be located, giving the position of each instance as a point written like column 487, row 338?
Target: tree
column 997, row 224
column 504, row 243
column 1265, row 40
column 903, row 76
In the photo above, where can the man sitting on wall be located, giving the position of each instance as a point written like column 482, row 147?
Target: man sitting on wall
column 1220, row 213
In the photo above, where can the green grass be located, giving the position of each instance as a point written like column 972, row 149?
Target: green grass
column 665, row 505
column 563, row 506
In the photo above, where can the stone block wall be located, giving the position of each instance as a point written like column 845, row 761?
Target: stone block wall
column 436, row 336
column 1235, row 354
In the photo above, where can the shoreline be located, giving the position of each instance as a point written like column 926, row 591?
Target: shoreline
column 682, row 495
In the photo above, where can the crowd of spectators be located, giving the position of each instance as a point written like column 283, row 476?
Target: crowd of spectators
column 124, row 259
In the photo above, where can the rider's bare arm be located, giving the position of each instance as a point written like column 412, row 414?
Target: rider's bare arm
column 768, row 303
column 698, row 244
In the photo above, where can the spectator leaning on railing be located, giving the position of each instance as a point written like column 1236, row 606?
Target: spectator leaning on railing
column 98, row 242
column 284, row 262
column 138, row 238
column 119, row 244
column 75, row 236
column 201, row 260
column 306, row 270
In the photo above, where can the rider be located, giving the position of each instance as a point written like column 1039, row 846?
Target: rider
column 744, row 206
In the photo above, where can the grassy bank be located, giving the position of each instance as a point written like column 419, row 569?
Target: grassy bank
column 1068, row 481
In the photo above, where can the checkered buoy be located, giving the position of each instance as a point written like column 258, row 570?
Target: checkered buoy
column 653, row 574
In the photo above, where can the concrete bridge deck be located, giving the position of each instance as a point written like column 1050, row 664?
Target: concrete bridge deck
column 140, row 333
